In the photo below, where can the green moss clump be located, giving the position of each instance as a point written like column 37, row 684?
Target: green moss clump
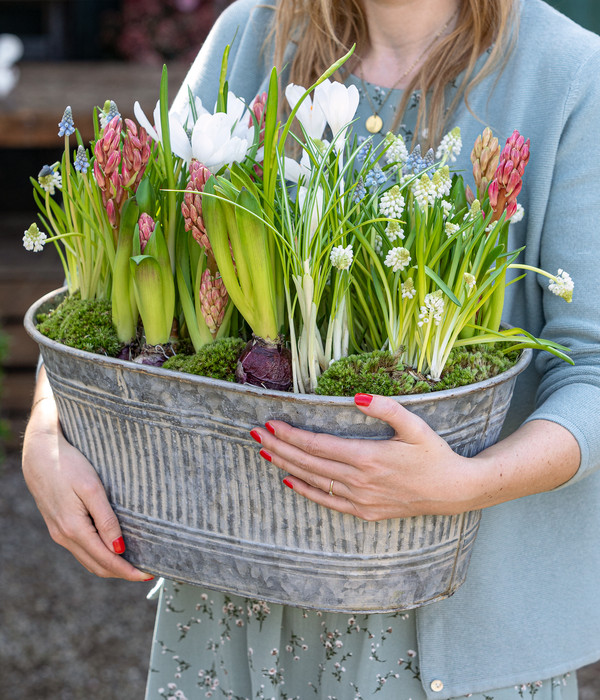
column 377, row 372
column 217, row 360
column 85, row 324
column 467, row 365
column 381, row 373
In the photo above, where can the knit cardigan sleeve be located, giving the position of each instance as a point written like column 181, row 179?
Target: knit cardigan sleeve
column 570, row 395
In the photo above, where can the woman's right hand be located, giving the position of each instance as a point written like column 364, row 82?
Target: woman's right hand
column 70, row 495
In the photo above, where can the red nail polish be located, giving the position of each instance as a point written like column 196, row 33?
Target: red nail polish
column 255, row 435
column 148, row 579
column 119, row 545
column 363, row 399
column 265, row 455
column 288, row 483
column 270, row 428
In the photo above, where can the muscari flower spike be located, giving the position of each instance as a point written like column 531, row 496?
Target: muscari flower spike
column 391, row 203
column 360, row 190
column 397, row 259
column 433, row 308
column 34, row 239
column 562, row 285
column 66, row 127
column 450, row 146
column 394, row 230
column 375, row 177
column 108, row 113
column 408, row 289
column 396, row 153
column 49, row 178
column 341, row 257
column 81, row 163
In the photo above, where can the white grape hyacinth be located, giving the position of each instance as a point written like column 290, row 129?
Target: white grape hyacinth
column 397, row 259
column 391, row 203
column 341, row 257
column 34, row 239
column 562, row 285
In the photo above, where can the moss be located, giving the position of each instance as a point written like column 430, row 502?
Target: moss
column 381, row 372
column 376, row 372
column 467, row 365
column 82, row 324
column 217, row 360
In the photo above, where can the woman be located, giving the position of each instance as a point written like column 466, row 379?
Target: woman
column 526, row 617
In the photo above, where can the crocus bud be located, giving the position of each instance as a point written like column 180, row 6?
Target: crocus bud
column 213, row 300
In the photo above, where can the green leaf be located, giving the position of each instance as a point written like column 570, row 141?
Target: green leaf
column 442, row 285
column 124, row 308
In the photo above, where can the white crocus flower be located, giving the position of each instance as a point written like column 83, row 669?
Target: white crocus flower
column 309, row 114
column 295, row 170
column 213, row 143
column 180, row 143
column 339, row 104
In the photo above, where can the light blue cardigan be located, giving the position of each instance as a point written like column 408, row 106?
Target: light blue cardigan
column 531, row 605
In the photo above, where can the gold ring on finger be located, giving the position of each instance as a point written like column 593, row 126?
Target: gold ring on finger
column 331, row 488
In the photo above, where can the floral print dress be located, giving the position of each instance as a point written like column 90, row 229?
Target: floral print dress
column 210, row 644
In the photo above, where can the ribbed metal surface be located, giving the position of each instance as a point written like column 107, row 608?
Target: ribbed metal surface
column 198, row 504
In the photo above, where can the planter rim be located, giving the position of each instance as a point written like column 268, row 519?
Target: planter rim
column 103, row 360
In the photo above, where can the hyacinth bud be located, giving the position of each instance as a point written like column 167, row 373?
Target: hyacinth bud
column 484, row 156
column 146, row 226
column 507, row 183
column 112, row 214
column 191, row 207
column 136, row 153
column 469, row 195
column 213, row 300
column 258, row 108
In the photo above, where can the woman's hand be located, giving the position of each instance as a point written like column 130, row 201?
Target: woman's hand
column 69, row 494
column 416, row 472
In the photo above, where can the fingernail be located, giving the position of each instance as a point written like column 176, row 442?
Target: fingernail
column 150, row 578
column 255, row 435
column 363, row 399
column 265, row 455
column 270, row 428
column 288, row 483
column 119, row 545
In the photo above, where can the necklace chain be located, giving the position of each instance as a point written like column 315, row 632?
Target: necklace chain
column 374, row 123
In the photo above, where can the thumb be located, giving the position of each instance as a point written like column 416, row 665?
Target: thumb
column 407, row 426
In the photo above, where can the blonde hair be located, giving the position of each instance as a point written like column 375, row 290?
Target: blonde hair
column 323, row 30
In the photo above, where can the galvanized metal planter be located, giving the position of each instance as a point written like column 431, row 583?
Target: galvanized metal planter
column 198, row 504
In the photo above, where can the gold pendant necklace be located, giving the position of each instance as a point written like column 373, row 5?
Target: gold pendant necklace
column 374, row 123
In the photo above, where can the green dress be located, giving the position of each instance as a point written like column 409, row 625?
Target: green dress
column 210, row 644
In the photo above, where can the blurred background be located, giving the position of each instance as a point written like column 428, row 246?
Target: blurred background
column 63, row 633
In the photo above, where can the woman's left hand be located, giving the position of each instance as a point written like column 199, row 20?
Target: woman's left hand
column 413, row 473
